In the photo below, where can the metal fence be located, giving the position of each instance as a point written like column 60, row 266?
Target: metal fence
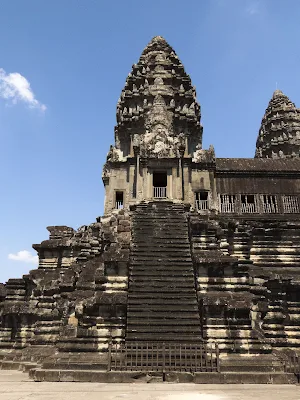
column 159, row 192
column 163, row 357
column 202, row 205
column 292, row 364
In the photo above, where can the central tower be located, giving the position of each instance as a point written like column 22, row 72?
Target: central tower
column 158, row 131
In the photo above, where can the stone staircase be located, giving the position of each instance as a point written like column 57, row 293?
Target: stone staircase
column 162, row 303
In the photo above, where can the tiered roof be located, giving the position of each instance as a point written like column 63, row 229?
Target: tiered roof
column 279, row 135
column 158, row 96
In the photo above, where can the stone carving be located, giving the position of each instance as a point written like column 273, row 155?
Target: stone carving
column 204, row 156
column 279, row 129
column 158, row 61
column 197, row 241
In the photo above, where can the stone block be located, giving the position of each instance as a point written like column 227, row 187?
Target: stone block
column 124, row 223
column 179, row 377
column 209, row 378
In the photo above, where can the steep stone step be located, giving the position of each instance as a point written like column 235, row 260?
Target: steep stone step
column 146, row 337
column 158, row 291
column 156, row 260
column 167, row 307
column 144, row 296
column 160, row 257
column 144, row 241
column 162, row 303
column 164, row 279
column 162, row 329
column 182, row 251
column 163, row 314
column 167, row 301
column 158, row 321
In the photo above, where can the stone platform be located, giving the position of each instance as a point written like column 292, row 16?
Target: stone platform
column 15, row 386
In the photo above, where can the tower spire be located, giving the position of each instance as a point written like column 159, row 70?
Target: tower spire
column 279, row 134
column 158, row 103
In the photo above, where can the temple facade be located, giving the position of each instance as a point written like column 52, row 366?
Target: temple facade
column 192, row 274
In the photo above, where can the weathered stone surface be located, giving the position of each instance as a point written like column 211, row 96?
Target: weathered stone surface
column 279, row 135
column 192, row 249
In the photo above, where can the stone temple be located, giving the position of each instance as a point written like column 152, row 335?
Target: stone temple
column 193, row 272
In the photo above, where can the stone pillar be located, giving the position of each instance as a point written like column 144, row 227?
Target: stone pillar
column 170, row 192
column 132, row 183
column 186, row 186
column 180, row 187
column 144, row 179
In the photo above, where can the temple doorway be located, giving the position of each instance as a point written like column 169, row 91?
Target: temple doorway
column 160, row 185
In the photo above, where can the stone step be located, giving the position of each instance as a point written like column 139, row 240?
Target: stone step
column 179, row 251
column 160, row 273
column 163, row 329
column 174, row 296
column 145, row 243
column 161, row 263
column 161, row 255
column 147, row 337
column 158, row 321
column 162, row 314
column 162, row 280
column 167, row 302
column 92, row 375
column 260, row 363
column 159, row 258
column 173, row 230
column 158, row 219
column 161, row 285
column 158, row 244
column 151, row 308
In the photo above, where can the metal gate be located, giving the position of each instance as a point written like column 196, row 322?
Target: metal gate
column 292, row 364
column 163, row 357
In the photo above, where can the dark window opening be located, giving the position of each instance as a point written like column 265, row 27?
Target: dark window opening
column 119, row 200
column 248, row 203
column 269, row 204
column 290, row 204
column 160, row 180
column 201, row 200
column 227, row 203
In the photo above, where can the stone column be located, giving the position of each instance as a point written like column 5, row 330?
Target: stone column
column 136, row 150
column 144, row 177
column 179, row 180
column 181, row 151
column 132, row 183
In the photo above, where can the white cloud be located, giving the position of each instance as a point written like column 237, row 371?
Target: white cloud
column 24, row 256
column 15, row 87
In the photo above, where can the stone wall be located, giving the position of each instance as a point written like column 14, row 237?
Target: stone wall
column 247, row 278
column 76, row 299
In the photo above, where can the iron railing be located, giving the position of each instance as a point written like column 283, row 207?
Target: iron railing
column 119, row 205
column 160, row 192
column 202, row 205
column 290, row 204
column 164, row 357
column 292, row 364
column 248, row 208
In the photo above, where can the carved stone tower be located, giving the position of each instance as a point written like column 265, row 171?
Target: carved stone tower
column 193, row 268
column 279, row 134
column 158, row 132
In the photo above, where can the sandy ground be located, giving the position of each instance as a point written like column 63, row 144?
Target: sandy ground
column 15, row 385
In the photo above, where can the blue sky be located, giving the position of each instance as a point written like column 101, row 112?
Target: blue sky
column 76, row 54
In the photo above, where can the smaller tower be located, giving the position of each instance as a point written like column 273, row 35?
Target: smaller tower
column 279, row 134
